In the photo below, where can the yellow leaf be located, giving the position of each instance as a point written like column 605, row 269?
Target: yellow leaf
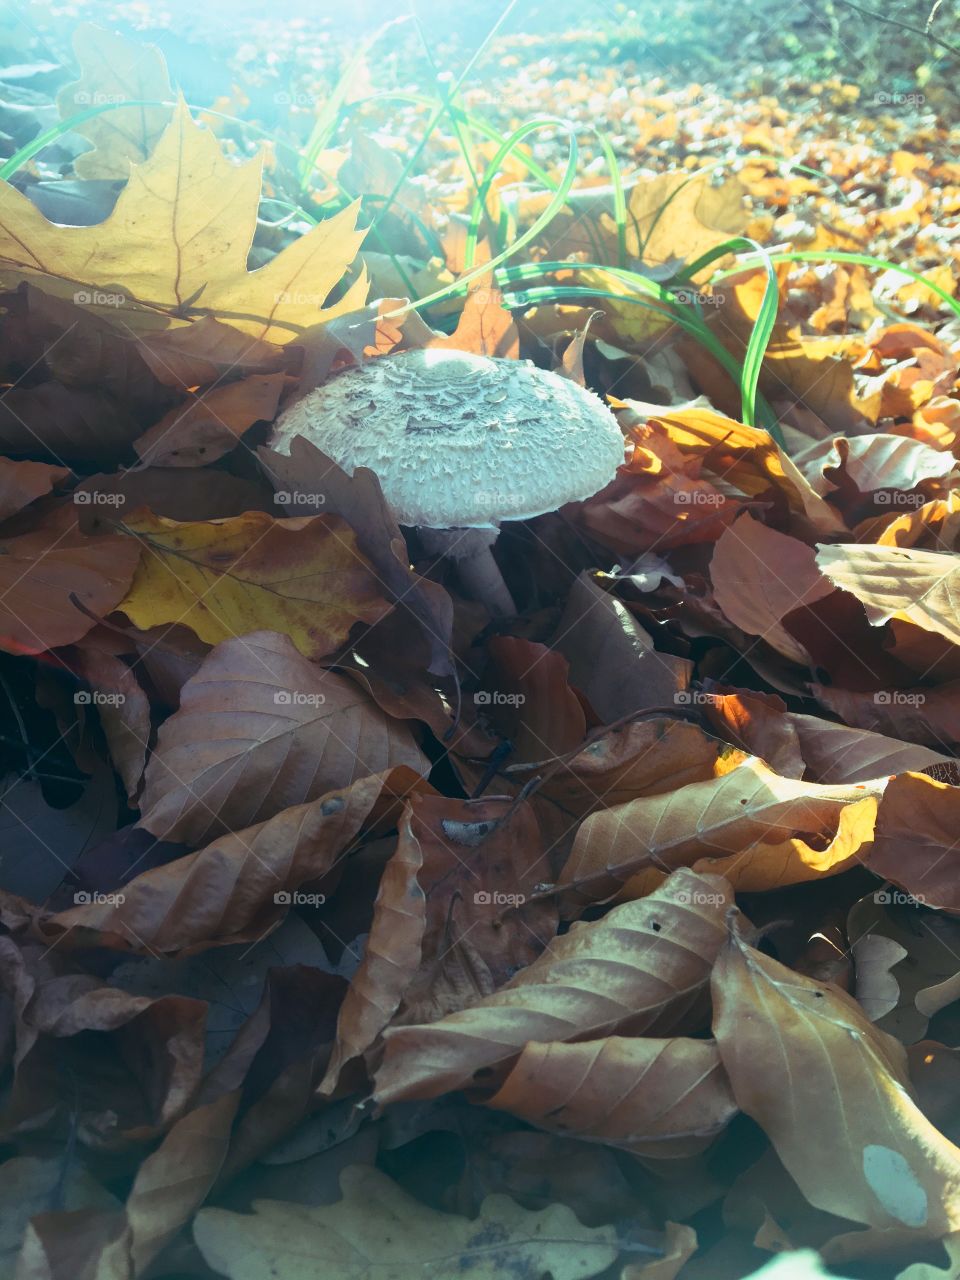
column 176, row 244
column 114, row 69
column 226, row 578
column 774, row 866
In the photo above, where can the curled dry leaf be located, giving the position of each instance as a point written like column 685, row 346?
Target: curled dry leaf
column 261, row 728
column 807, row 1065
column 41, row 570
column 836, row 753
column 915, row 844
column 736, row 814
column 612, row 659
column 661, row 1099
column 239, row 886
column 224, row 578
column 124, row 711
column 639, row 970
column 378, row 1232
column 148, row 1054
column 451, row 922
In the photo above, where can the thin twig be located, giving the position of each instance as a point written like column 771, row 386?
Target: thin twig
column 904, row 26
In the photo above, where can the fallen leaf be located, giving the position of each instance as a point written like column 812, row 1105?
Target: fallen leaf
column 241, row 884
column 806, row 1064
column 660, row 1099
column 259, row 729
column 208, row 425
column 378, row 1232
column 759, row 576
column 640, row 970
column 736, row 814
column 176, row 245
column 922, row 587
column 23, row 482
column 41, row 570
column 115, row 70
column 225, row 578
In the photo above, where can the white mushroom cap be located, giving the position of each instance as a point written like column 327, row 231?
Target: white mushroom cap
column 459, row 440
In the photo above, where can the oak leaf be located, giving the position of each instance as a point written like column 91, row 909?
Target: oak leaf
column 175, row 246
column 378, row 1232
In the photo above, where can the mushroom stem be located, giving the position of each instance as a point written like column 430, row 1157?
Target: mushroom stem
column 479, row 572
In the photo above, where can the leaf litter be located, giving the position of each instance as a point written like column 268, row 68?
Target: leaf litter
column 614, row 936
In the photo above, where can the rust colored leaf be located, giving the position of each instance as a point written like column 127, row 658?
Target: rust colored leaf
column 640, row 970
column 661, row 1099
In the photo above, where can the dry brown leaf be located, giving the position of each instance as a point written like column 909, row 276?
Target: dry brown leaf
column 612, row 659
column 22, row 482
column 836, row 753
column 915, row 844
column 660, row 1099
column 261, row 728
column 241, row 885
column 640, row 970
column 759, row 576
column 807, row 1065
column 735, row 814
column 41, row 570
column 209, row 424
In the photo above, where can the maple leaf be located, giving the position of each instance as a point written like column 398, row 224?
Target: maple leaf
column 175, row 247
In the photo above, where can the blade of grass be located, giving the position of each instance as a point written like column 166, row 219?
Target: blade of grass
column 326, row 122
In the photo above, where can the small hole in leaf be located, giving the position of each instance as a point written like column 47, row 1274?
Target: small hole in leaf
column 656, row 926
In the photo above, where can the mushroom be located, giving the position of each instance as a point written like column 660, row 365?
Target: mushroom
column 459, row 443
